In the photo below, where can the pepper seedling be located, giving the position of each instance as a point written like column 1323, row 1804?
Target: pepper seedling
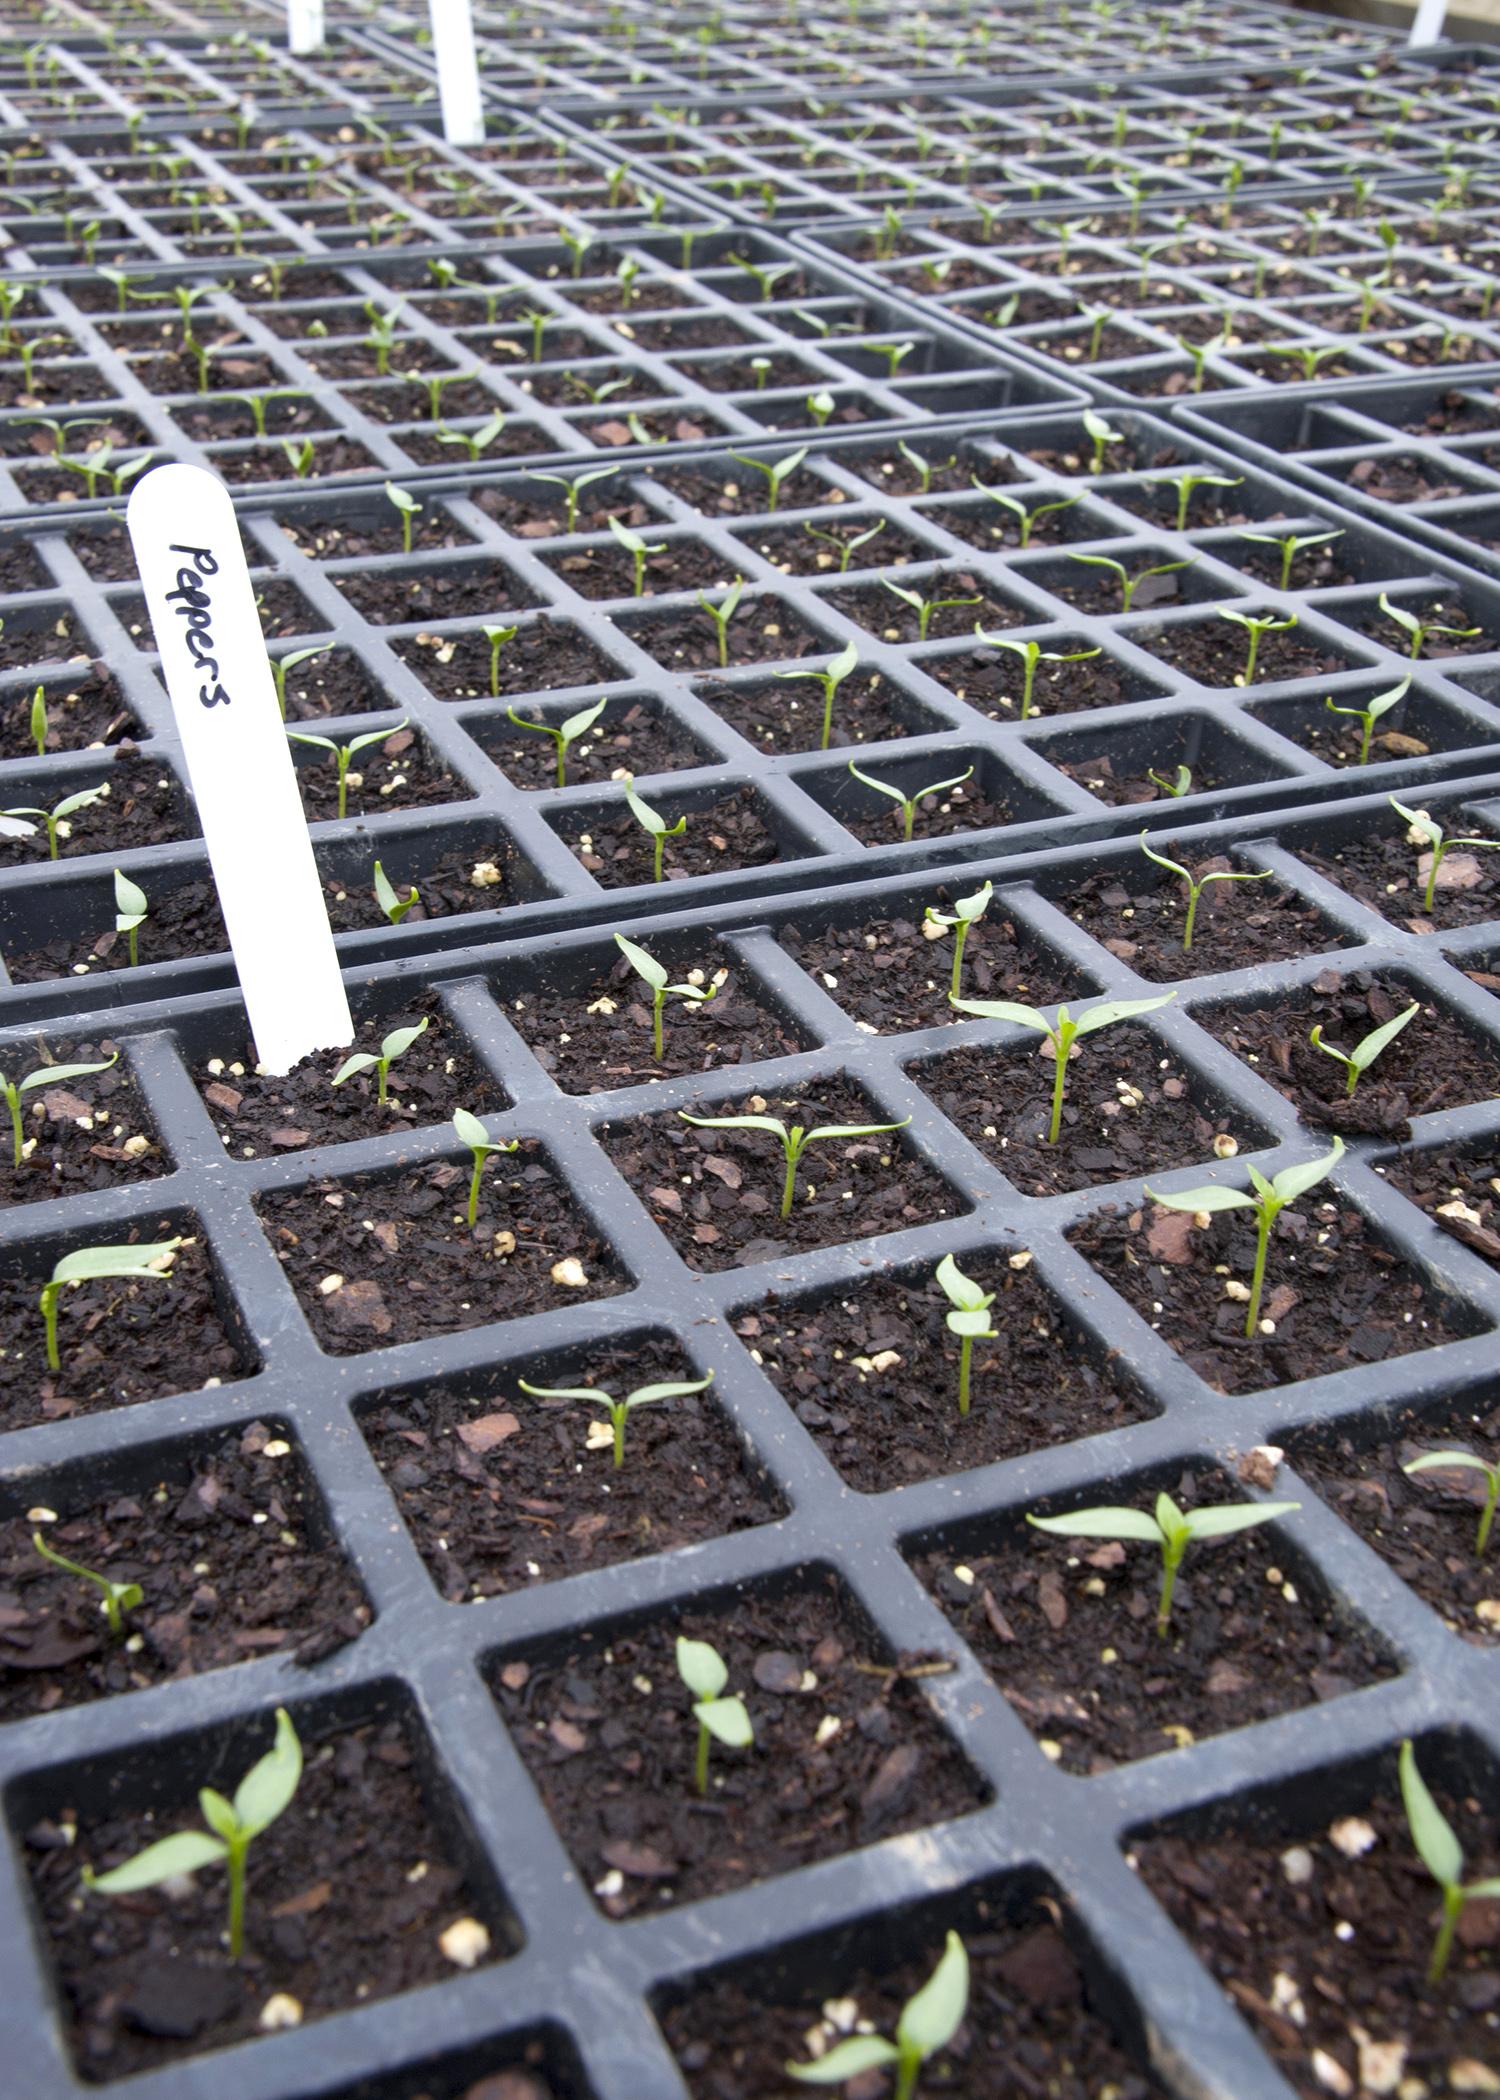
column 1441, row 1854
column 56, row 818
column 38, row 720
column 969, row 1319
column 619, row 1411
column 1423, row 829
column 119, row 1597
column 132, row 909
column 1130, row 584
column 831, row 677
column 390, row 901
column 907, row 804
column 1268, row 1202
column 656, row 827
column 928, row 2022
column 705, row 1673
column 1369, row 715
column 282, row 665
column 1257, row 628
column 395, row 1045
column 563, row 734
column 1101, row 435
column 651, row 972
column 409, row 509
column 265, row 1792
column 775, row 471
column 636, row 547
column 1167, row 1526
column 344, row 754
column 721, row 615
column 45, row 1075
column 1196, row 885
column 793, row 1142
column 1442, row 1461
column 1177, row 786
column 95, row 1265
column 1032, row 654
column 845, row 549
column 1357, row 1062
column 1289, row 546
column 469, row 1131
column 926, row 608
column 573, row 488
column 1187, row 486
column 1061, row 1034
column 924, row 469
column 1027, row 521
column 966, row 913
column 1418, row 630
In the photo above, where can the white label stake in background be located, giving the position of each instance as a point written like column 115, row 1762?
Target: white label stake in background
column 202, row 607
column 458, row 72
column 304, row 27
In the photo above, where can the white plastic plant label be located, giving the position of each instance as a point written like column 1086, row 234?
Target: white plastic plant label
column 458, row 72
column 202, row 607
column 304, row 27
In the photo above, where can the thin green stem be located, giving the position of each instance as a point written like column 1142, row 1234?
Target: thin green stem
column 1195, row 891
column 13, row 1103
column 701, row 1774
column 479, row 1159
column 50, row 1295
column 1453, row 1903
column 1059, row 1085
column 658, row 1032
column 788, row 1188
column 1438, row 850
column 1171, row 1560
column 965, row 1366
column 960, row 936
column 828, row 692
column 1264, row 1224
column 617, row 1416
column 235, row 1862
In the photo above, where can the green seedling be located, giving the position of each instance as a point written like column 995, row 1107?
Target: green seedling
column 596, row 393
column 1309, row 358
column 1419, row 631
column 131, row 912
column 1061, row 1035
column 1370, row 714
column 1177, row 786
column 1443, row 1461
column 1032, row 655
column 925, row 469
column 1257, row 628
column 259, row 405
column 907, row 804
column 845, row 549
column 1358, row 1061
column 38, row 720
column 1442, row 1855
column 265, row 1792
column 1289, row 545
column 1423, row 829
column 1187, row 486
column 395, row 1045
column 471, row 1132
column 969, row 1319
column 563, row 734
column 820, row 406
column 638, row 550
column 96, row 1265
column 776, row 472
column 1196, row 885
column 573, row 487
column 11, row 1091
column 966, row 912
column 301, row 456
column 1268, row 1202
column 925, row 608
column 830, row 677
column 793, row 1142
column 654, row 825
column 1101, row 436
column 97, row 466
column 1130, row 584
column 344, row 754
column 1027, row 520
column 56, row 818
column 927, row 2024
column 652, row 974
column 705, row 1673
column 721, row 615
column 1167, row 1526
column 384, row 323
column 765, row 277
column 498, row 638
column 619, row 1411
column 281, row 666
column 474, row 443
column 409, row 508
column 119, row 1597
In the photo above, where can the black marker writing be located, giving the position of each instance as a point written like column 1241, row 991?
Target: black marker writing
column 192, row 602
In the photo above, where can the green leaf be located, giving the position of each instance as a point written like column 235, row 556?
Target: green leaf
column 644, row 814
column 644, row 965
column 54, row 1075
column 854, row 1130
column 1364, row 1054
column 1103, row 1523
column 81, row 800
column 470, row 1130
column 87, row 1264
column 1293, row 1182
column 1220, row 1523
column 846, row 661
column 267, row 1788
column 1004, row 1010
column 360, row 1062
column 1210, row 1199
column 967, row 1324
column 218, row 1813
column 881, row 787
column 1112, row 1010
column 701, row 1668
column 861, row 2052
column 777, row 1129
column 131, row 905
column 958, row 1289
column 727, row 1721
column 644, row 1395
column 400, row 1040
column 1440, row 1461
column 1419, row 820
column 590, row 1393
column 632, row 542
column 183, row 1854
column 1431, row 1833
column 930, row 2020
column 586, row 717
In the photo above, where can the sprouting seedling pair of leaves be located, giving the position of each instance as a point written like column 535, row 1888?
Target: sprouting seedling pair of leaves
column 391, row 902
column 619, row 1411
column 968, row 1320
column 636, row 546
column 55, row 819
column 966, row 913
column 1357, row 1062
column 469, row 1131
column 1289, row 545
column 1419, row 631
column 720, row 1719
column 564, row 734
column 264, row 1794
column 1368, row 715
column 1423, row 829
column 119, row 1597
column 1032, row 656
column 1027, row 517
column 395, row 1045
column 1197, row 884
column 1442, row 1855
column 1270, row 1199
column 907, row 804
column 13, row 1092
column 1167, row 1526
column 1130, row 582
column 721, row 613
column 1063, row 1033
column 654, row 976
column 655, row 826
column 1466, row 1461
column 1257, row 626
column 794, row 1141
column 96, row 1265
column 830, row 676
column 344, row 755
column 927, row 2024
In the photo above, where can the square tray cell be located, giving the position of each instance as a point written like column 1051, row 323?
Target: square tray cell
column 1117, row 764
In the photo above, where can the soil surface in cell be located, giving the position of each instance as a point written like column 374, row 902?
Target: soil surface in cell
column 609, row 572
column 184, row 921
column 746, row 494
column 339, row 540
column 1403, row 477
column 142, row 805
column 1456, row 1187
column 1068, row 1630
column 21, row 569
column 1389, row 875
column 1030, row 2026
column 53, row 638
column 995, row 530
column 1254, row 1922
column 1123, row 786
column 1216, row 656
column 888, row 976
column 331, row 682
column 717, row 1194
column 994, row 681
column 231, row 1554
column 401, row 772
column 1433, row 1064
column 881, row 821
column 504, row 1490
column 635, row 736
column 90, row 710
column 80, row 1135
column 963, row 600
column 874, row 1374
column 894, row 475
column 761, row 630
column 445, row 888
column 1238, row 924
column 605, row 1725
column 1434, row 614
column 726, row 834
column 797, row 552
column 1336, row 1296
column 335, row 1915
column 380, row 1259
column 788, row 715
column 466, row 590
column 543, row 657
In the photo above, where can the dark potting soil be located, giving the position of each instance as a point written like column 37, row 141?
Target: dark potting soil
column 1433, row 1064
column 230, row 1549
column 1456, row 1187
column 894, row 475
column 968, row 604
column 1030, row 2029
column 401, row 772
column 990, row 527
column 601, row 1036
column 609, row 572
column 447, row 888
column 606, row 1729
column 470, row 587
column 1132, row 1107
column 1402, row 477
column 184, row 921
column 717, row 1193
column 1124, row 788
column 20, row 569
column 1337, row 1296
column 334, row 682
column 816, row 548
column 86, row 1134
column 121, row 1340
column 1216, row 655
column 993, row 680
column 1430, row 610
column 1317, row 569
column 1238, row 923
column 543, row 657
column 92, row 710
column 1389, row 875
column 730, row 832
column 881, row 822
column 336, row 1913
column 143, row 806
column 1067, row 1629
column 788, row 716
column 748, row 493
column 1351, row 1928
column 406, row 1263
column 503, row 1491
column 763, row 629
column 635, row 736
column 334, row 540
column 872, row 1371
column 888, row 976
column 535, row 513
